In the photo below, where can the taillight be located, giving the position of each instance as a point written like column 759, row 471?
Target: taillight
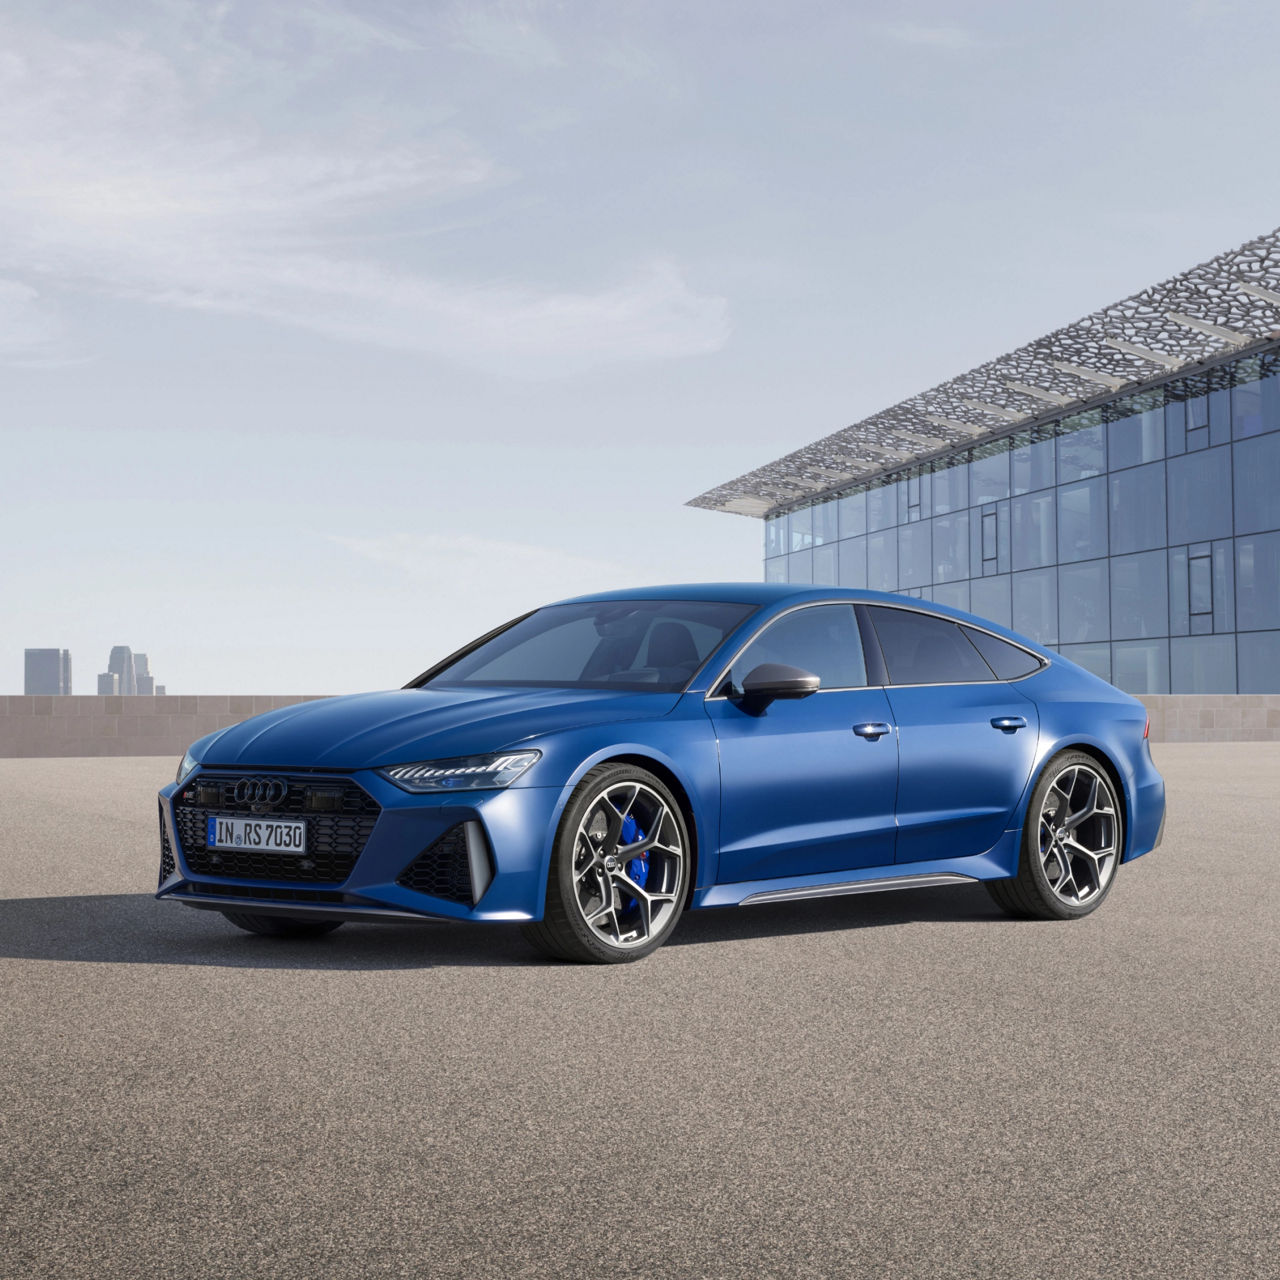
column 1146, row 733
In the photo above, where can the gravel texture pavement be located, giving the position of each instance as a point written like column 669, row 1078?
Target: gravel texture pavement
column 893, row 1085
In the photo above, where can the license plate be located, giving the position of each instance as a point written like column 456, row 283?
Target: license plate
column 257, row 833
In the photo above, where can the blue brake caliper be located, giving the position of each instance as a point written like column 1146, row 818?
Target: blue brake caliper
column 637, row 868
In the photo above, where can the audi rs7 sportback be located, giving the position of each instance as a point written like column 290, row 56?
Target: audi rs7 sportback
column 596, row 767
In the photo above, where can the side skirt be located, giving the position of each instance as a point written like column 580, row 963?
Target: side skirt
column 855, row 886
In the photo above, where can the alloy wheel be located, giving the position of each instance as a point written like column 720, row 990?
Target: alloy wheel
column 1078, row 834
column 628, row 865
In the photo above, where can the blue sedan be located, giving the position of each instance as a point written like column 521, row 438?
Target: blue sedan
column 597, row 767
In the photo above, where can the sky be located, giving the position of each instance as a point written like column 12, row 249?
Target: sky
column 336, row 332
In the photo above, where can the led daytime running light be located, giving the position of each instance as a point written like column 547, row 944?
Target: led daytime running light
column 468, row 773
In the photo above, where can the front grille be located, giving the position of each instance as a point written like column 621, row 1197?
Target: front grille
column 340, row 816
column 167, row 866
column 442, row 868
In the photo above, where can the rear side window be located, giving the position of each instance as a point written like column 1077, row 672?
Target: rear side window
column 922, row 649
column 822, row 639
column 1007, row 660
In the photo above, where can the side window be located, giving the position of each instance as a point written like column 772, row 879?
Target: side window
column 1007, row 660
column 822, row 639
column 922, row 649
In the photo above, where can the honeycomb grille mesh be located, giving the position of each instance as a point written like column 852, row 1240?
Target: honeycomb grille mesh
column 167, row 865
column 336, row 836
column 442, row 868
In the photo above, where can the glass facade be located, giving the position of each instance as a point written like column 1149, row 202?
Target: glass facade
column 1141, row 539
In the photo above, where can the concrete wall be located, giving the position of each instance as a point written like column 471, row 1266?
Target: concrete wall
column 138, row 726
column 122, row 726
column 1214, row 717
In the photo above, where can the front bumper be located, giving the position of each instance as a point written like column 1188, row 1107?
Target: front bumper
column 514, row 826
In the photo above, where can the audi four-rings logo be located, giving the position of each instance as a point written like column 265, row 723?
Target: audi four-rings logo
column 260, row 790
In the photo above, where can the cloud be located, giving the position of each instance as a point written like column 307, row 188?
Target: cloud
column 934, row 36
column 143, row 170
column 26, row 328
column 449, row 568
column 507, row 31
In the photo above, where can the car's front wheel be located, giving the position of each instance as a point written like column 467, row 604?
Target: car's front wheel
column 281, row 926
column 1072, row 842
column 619, row 870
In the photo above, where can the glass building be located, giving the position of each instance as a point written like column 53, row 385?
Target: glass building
column 1137, row 533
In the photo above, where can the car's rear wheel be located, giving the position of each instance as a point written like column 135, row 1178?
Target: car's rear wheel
column 1072, row 842
column 619, row 870
column 281, row 926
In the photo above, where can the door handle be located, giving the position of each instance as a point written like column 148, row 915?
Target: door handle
column 873, row 731
column 1010, row 724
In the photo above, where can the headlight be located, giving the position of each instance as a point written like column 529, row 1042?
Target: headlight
column 189, row 762
column 466, row 773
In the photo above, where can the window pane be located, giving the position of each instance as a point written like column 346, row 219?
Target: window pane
column 1259, row 662
column 951, row 547
column 1203, row 664
column 989, row 475
column 775, row 570
column 800, row 566
column 953, row 594
column 989, row 598
column 1200, row 496
column 1005, row 659
column 1084, row 603
column 1224, row 586
column 1141, row 666
column 1136, row 439
column 951, row 488
column 920, row 649
column 1081, row 452
column 1139, row 596
column 1033, row 462
column 853, row 562
column 1137, row 509
column 825, row 523
column 1082, row 520
column 1035, row 605
column 1246, row 410
column 882, row 561
column 1258, row 582
column 1092, row 657
column 822, row 639
column 853, row 515
column 775, row 536
column 824, row 564
column 1035, row 539
column 1257, row 472
column 1200, row 584
column 802, row 529
column 882, row 507
column 1179, row 600
column 915, row 554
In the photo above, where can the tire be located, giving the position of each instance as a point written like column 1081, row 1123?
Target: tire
column 1072, row 842
column 619, row 870
column 281, row 926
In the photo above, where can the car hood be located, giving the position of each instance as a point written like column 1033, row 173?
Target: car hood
column 402, row 725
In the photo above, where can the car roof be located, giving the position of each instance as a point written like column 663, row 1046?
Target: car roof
column 736, row 593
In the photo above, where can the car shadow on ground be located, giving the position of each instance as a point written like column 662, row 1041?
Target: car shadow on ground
column 133, row 928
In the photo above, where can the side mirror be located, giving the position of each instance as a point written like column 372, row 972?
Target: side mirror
column 772, row 680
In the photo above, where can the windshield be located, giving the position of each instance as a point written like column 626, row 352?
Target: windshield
column 643, row 645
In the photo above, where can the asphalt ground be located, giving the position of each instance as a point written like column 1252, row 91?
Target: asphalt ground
column 891, row 1085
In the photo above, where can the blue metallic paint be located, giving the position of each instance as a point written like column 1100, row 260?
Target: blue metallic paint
column 958, row 806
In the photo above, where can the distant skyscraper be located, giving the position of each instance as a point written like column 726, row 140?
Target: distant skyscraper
column 108, row 682
column 142, row 675
column 159, row 691
column 121, row 664
column 47, row 671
